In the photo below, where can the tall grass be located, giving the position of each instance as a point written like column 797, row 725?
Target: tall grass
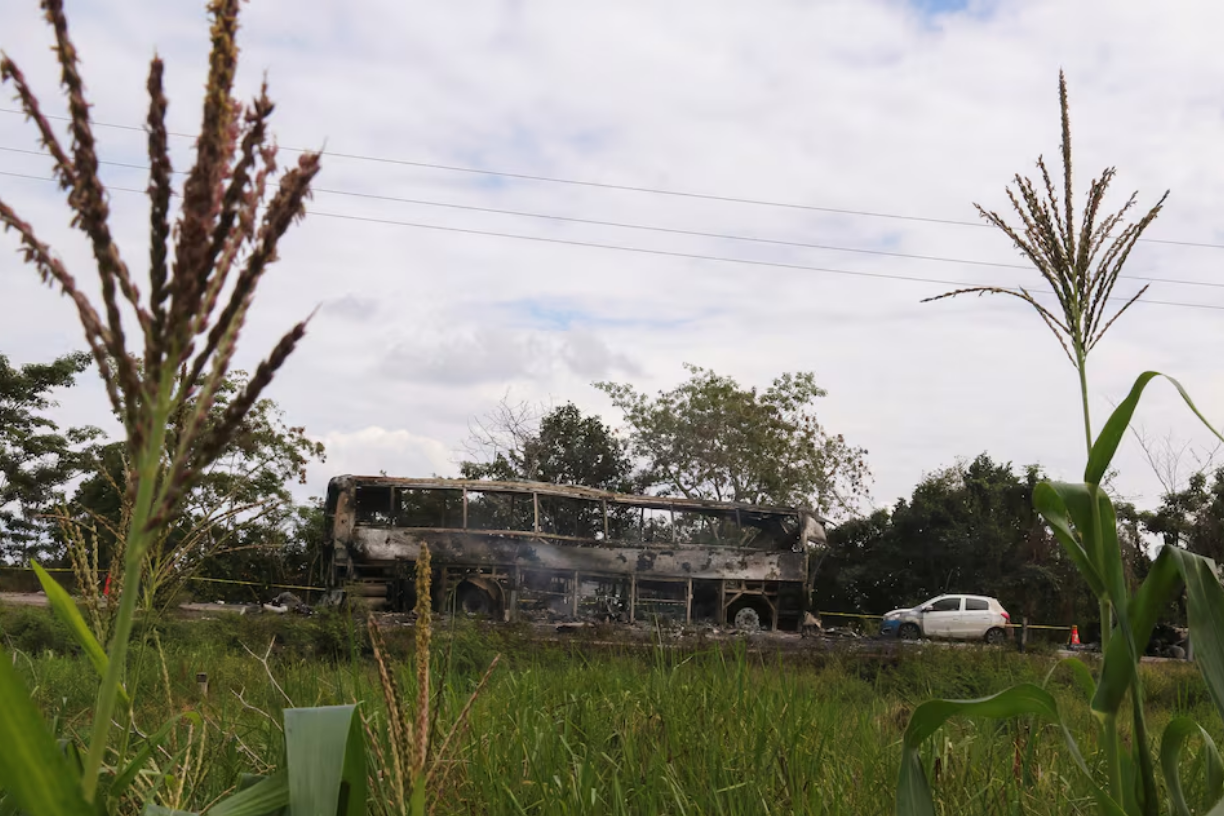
column 568, row 729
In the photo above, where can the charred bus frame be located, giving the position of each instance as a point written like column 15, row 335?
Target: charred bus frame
column 515, row 550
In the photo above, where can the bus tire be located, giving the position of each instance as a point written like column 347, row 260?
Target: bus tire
column 747, row 616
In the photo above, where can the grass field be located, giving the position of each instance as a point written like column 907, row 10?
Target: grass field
column 580, row 728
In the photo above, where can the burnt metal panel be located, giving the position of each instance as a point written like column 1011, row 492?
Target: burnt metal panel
column 573, row 491
column 387, row 545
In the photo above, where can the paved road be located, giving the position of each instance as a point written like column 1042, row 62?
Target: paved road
column 23, row 599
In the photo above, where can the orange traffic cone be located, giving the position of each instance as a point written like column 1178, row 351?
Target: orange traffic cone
column 1075, row 641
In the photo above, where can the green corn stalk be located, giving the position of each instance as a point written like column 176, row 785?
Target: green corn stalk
column 188, row 322
column 1082, row 263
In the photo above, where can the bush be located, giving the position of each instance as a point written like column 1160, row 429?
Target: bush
column 35, row 631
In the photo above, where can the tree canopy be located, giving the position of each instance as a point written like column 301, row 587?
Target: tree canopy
column 562, row 446
column 971, row 528
column 712, row 438
column 37, row 459
column 239, row 519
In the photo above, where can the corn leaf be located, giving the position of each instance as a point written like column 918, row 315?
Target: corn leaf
column 1080, row 675
column 66, row 610
column 1071, row 512
column 914, row 793
column 1164, row 578
column 1205, row 610
column 325, row 753
column 1107, row 442
column 1053, row 508
column 1172, row 742
column 34, row 773
column 267, row 796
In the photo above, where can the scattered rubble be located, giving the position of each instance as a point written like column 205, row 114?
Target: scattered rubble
column 287, row 602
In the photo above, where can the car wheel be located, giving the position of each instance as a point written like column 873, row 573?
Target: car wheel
column 909, row 631
column 995, row 636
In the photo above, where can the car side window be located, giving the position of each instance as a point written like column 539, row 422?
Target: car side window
column 976, row 605
column 946, row 605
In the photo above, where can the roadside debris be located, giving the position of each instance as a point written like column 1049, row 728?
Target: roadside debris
column 287, row 602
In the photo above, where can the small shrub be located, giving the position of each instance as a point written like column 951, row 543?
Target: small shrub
column 35, row 631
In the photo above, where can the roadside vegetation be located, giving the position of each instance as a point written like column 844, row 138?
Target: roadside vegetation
column 576, row 727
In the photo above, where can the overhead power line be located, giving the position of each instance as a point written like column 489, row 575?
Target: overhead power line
column 718, row 258
column 668, row 253
column 455, row 168
column 655, row 228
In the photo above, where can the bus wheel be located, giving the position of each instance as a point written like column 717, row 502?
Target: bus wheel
column 747, row 619
column 475, row 601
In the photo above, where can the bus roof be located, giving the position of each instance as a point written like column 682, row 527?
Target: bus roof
column 572, row 491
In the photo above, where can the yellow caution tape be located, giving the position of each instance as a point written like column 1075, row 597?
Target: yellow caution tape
column 880, row 617
column 253, row 583
column 324, row 589
column 197, row 578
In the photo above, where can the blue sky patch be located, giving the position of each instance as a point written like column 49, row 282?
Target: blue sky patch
column 934, row 9
column 561, row 315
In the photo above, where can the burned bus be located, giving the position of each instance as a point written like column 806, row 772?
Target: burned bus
column 529, row 550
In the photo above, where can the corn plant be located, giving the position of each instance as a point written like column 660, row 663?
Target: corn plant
column 1081, row 262
column 202, row 277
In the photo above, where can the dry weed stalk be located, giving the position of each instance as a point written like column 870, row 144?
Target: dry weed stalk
column 202, row 279
column 412, row 765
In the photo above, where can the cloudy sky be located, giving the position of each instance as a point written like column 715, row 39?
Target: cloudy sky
column 855, row 127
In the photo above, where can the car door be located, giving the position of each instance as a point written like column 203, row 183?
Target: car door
column 976, row 618
column 943, row 616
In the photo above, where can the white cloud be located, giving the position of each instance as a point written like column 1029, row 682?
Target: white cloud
column 496, row 355
column 866, row 105
column 371, row 450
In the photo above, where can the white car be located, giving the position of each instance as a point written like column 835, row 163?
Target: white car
column 962, row 617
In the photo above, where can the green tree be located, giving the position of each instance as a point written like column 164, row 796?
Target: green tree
column 238, row 518
column 560, row 447
column 967, row 528
column 711, row 438
column 36, row 459
column 1193, row 517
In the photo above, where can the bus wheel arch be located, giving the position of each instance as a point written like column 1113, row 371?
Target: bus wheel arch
column 477, row 595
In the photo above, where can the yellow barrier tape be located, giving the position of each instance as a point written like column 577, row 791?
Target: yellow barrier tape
column 196, row 578
column 324, row 589
column 253, row 583
column 880, row 617
column 45, row 569
column 850, row 615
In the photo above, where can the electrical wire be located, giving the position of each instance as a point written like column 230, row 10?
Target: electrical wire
column 653, row 228
column 669, row 253
column 454, row 168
